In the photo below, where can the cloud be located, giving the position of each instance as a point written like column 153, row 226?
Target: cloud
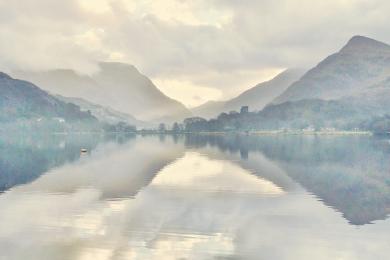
column 180, row 39
column 184, row 90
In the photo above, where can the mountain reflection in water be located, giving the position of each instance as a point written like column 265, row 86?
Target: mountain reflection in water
column 350, row 174
column 195, row 197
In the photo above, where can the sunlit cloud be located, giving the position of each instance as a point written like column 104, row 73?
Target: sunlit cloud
column 193, row 13
column 190, row 94
column 95, row 6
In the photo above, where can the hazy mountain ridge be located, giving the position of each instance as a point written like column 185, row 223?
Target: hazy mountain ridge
column 260, row 95
column 147, row 101
column 209, row 109
column 256, row 97
column 116, row 85
column 23, row 100
column 103, row 114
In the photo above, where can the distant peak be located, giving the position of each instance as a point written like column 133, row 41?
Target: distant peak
column 292, row 71
column 70, row 71
column 358, row 39
column 117, row 66
column 362, row 43
column 4, row 75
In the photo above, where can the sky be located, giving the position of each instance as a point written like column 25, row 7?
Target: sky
column 194, row 51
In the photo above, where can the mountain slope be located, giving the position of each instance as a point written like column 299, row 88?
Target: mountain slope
column 375, row 97
column 361, row 63
column 256, row 98
column 22, row 100
column 103, row 114
column 210, row 109
column 139, row 96
column 116, row 85
column 260, row 95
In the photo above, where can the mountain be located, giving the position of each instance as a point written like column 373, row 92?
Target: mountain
column 348, row 90
column 103, row 114
column 260, row 95
column 256, row 98
column 359, row 66
column 210, row 109
column 116, row 85
column 317, row 113
column 23, row 100
column 375, row 97
column 136, row 94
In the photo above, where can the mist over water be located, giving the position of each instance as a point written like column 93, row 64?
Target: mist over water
column 195, row 197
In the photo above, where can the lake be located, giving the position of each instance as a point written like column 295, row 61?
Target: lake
column 194, row 197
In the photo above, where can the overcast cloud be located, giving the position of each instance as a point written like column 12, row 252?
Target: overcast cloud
column 193, row 50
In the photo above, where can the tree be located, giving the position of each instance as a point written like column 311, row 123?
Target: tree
column 195, row 124
column 162, row 128
column 176, row 128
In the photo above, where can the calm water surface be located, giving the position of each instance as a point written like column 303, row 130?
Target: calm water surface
column 194, row 197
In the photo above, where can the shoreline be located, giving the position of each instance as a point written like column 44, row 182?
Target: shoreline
column 265, row 132
column 253, row 133
column 313, row 133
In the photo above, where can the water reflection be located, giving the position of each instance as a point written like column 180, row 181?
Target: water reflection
column 351, row 174
column 115, row 170
column 25, row 158
column 205, row 197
